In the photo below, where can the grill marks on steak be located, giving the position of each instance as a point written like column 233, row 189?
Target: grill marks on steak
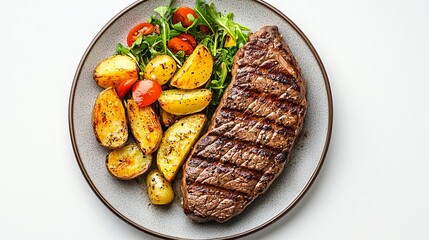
column 252, row 130
column 251, row 133
column 275, row 89
column 223, row 175
column 263, row 106
column 237, row 153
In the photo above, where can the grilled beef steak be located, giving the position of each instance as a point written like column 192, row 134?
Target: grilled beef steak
column 251, row 133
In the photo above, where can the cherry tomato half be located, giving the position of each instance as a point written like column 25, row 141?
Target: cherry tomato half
column 181, row 15
column 140, row 29
column 146, row 92
column 176, row 44
column 125, row 86
column 204, row 29
column 188, row 38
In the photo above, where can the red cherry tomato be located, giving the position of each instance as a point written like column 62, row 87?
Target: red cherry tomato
column 176, row 44
column 181, row 15
column 125, row 86
column 188, row 38
column 204, row 29
column 140, row 29
column 146, row 92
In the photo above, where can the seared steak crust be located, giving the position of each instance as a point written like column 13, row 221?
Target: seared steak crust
column 251, row 133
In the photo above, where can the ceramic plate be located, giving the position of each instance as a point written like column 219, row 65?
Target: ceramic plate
column 128, row 200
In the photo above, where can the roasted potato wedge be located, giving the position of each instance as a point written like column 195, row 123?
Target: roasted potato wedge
column 161, row 68
column 184, row 102
column 109, row 120
column 167, row 119
column 128, row 162
column 159, row 189
column 145, row 126
column 113, row 70
column 196, row 70
column 177, row 142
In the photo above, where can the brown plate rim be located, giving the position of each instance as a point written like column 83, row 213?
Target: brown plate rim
column 253, row 230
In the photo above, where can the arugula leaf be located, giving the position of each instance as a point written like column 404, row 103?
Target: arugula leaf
column 222, row 21
column 200, row 9
column 179, row 27
column 163, row 11
column 121, row 49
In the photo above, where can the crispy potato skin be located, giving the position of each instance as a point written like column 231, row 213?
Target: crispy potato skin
column 177, row 142
column 109, row 120
column 159, row 189
column 145, row 126
column 161, row 68
column 184, row 102
column 196, row 70
column 128, row 162
column 167, row 119
column 113, row 70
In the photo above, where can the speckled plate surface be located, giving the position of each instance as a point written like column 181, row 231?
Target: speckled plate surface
column 128, row 200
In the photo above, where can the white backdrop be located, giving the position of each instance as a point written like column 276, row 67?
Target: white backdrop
column 373, row 184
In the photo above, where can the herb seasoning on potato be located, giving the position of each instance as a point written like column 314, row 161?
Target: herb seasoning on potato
column 128, row 162
column 196, row 70
column 177, row 142
column 160, row 69
column 159, row 189
column 184, row 102
column 145, row 126
column 108, row 120
column 113, row 70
